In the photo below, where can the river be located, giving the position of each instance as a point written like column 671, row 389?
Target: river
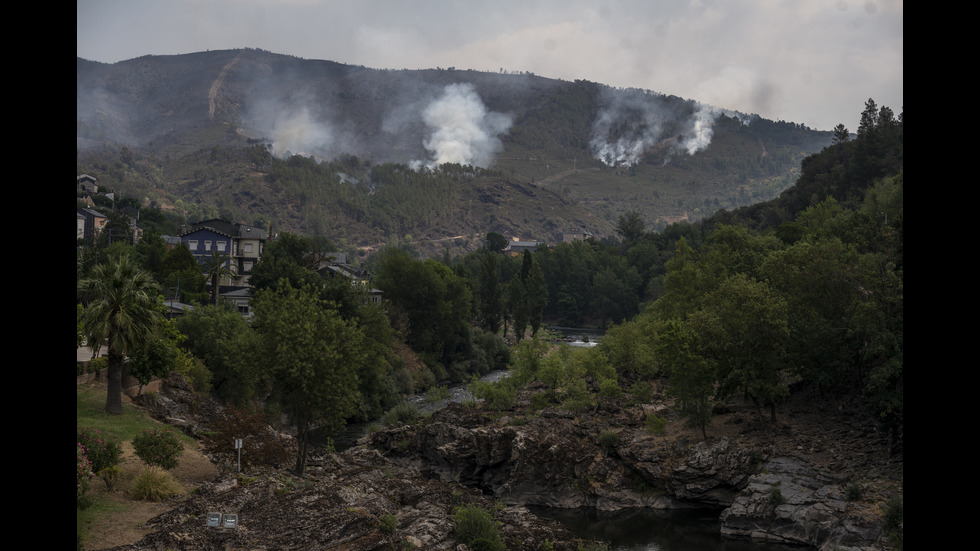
column 632, row 530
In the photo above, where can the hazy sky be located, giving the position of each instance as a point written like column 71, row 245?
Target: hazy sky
column 814, row 62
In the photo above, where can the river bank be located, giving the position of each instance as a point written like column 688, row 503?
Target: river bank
column 789, row 483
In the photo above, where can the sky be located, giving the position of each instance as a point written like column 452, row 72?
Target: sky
column 814, row 62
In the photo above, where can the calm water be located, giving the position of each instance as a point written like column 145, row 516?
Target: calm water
column 651, row 530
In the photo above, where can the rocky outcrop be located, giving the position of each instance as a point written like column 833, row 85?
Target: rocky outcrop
column 613, row 463
column 356, row 501
column 789, row 502
column 398, row 488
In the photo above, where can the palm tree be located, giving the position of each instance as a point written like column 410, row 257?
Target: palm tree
column 216, row 267
column 122, row 311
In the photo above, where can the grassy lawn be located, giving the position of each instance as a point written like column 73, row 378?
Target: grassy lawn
column 89, row 412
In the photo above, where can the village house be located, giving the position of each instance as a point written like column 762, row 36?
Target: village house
column 243, row 244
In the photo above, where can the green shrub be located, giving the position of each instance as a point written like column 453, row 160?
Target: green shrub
column 475, row 527
column 110, row 475
column 609, row 440
column 642, row 392
column 387, row 523
column 853, row 492
column 83, row 475
column 404, row 413
column 101, row 449
column 161, row 448
column 499, row 395
column 776, row 495
column 656, row 425
column 894, row 514
column 437, row 393
column 894, row 517
column 97, row 364
column 196, row 372
column 155, row 484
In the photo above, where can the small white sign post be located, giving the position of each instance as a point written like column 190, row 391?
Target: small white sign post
column 238, row 446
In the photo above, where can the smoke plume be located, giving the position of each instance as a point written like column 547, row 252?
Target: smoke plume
column 631, row 122
column 461, row 130
column 297, row 133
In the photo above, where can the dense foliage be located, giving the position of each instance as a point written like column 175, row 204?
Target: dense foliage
column 808, row 297
column 804, row 292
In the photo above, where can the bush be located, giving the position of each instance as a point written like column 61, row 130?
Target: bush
column 97, row 364
column 161, row 448
column 155, row 484
column 83, row 475
column 101, row 449
column 196, row 372
column 894, row 514
column 609, row 440
column 500, row 395
column 775, row 496
column 475, row 527
column 388, row 523
column 110, row 475
column 404, row 413
column 261, row 445
column 656, row 425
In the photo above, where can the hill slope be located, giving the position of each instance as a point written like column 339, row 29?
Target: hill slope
column 208, row 134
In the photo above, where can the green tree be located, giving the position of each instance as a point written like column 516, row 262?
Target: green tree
column 691, row 377
column 218, row 266
column 536, row 296
column 514, row 306
column 491, row 294
column 179, row 258
column 743, row 329
column 436, row 302
column 630, row 227
column 496, row 242
column 292, row 258
column 156, row 362
column 629, row 348
column 869, row 118
column 182, row 276
column 224, row 340
column 150, row 252
column 314, row 356
column 121, row 311
column 841, row 134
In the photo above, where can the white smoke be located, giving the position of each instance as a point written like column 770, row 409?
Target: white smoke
column 298, row 133
column 698, row 137
column 461, row 129
column 631, row 122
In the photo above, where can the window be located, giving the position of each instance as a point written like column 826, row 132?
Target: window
column 192, row 244
column 247, row 266
column 207, row 245
column 221, row 246
column 248, row 247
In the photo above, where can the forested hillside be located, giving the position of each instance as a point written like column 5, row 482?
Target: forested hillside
column 807, row 297
column 369, row 157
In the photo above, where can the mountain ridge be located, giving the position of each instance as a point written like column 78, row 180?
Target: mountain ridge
column 158, row 127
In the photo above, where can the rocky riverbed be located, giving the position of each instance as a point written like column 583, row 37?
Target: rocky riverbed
column 820, row 477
